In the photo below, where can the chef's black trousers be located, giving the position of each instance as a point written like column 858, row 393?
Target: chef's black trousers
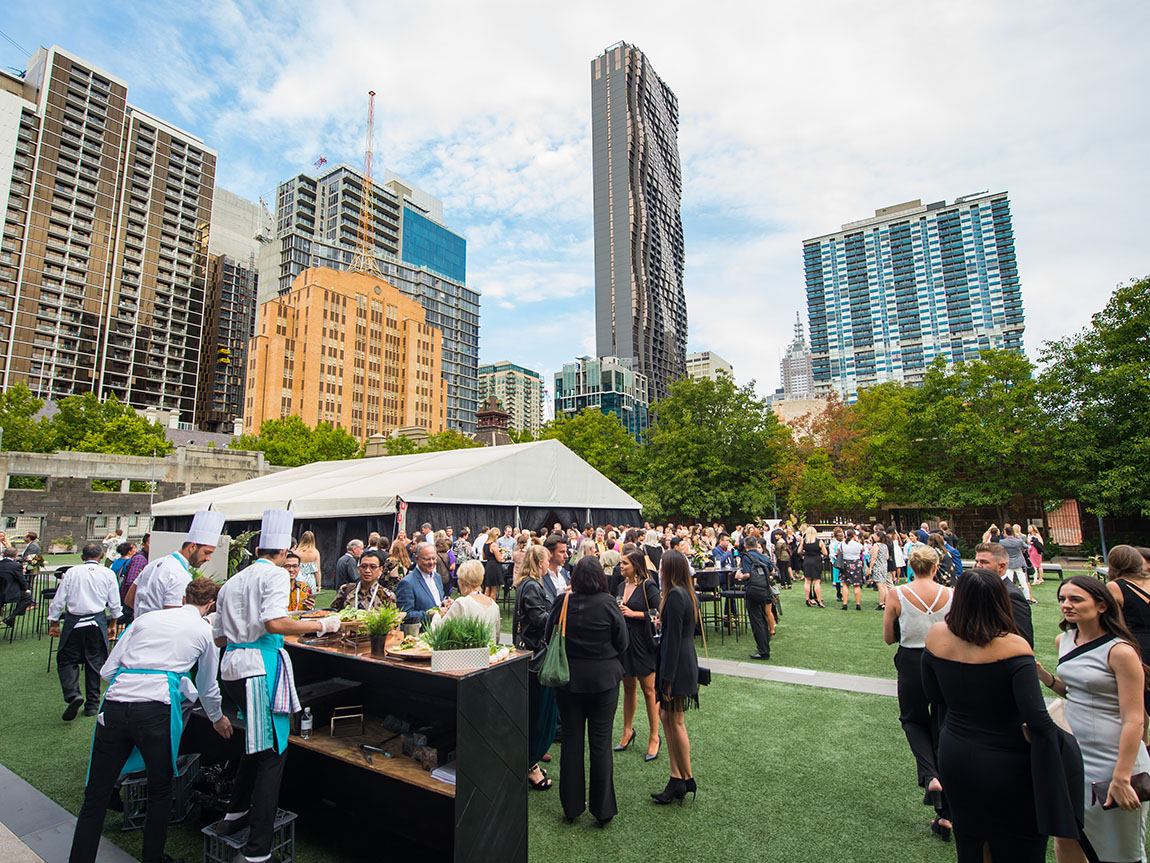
column 257, row 786
column 85, row 646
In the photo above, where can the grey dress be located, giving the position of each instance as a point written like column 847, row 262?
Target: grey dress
column 1092, row 712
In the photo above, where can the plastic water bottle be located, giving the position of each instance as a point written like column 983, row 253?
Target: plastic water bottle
column 305, row 724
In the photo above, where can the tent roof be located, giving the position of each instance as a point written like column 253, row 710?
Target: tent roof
column 537, row 474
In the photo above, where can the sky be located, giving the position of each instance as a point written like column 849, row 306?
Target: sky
column 794, row 118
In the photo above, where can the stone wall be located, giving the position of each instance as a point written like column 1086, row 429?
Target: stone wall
column 68, row 505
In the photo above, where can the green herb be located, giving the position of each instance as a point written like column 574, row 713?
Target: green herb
column 458, row 633
column 383, row 620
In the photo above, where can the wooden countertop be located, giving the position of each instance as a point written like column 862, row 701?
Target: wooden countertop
column 363, row 654
column 399, row 766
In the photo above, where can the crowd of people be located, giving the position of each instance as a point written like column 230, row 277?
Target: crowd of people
column 626, row 601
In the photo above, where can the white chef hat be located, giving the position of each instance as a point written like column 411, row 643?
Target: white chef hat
column 206, row 528
column 275, row 529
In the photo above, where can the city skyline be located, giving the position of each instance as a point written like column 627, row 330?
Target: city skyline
column 766, row 158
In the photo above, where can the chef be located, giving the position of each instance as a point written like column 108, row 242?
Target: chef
column 251, row 622
column 141, row 719
column 87, row 596
column 163, row 581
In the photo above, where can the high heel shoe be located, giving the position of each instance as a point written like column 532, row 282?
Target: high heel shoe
column 623, row 746
column 647, row 756
column 933, row 798
column 676, row 789
column 810, row 603
column 689, row 787
column 938, row 830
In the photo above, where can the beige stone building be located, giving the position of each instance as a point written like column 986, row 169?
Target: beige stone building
column 346, row 349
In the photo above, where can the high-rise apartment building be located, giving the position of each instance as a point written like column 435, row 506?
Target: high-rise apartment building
column 317, row 225
column 795, row 369
column 346, row 349
column 608, row 383
column 640, row 306
column 707, row 365
column 889, row 294
column 103, row 260
column 238, row 227
column 519, row 390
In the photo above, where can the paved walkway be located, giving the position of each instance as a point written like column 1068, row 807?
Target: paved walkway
column 33, row 829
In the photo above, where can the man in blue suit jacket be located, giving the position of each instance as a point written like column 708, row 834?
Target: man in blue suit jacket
column 421, row 588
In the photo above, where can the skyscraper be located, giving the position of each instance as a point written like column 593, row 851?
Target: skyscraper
column 640, row 307
column 238, row 228
column 519, row 390
column 708, row 365
column 608, row 383
column 317, row 225
column 105, row 212
column 887, row 295
column 795, row 369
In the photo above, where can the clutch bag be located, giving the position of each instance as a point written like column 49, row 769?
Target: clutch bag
column 1139, row 781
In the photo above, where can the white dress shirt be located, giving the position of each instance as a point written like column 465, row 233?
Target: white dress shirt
column 86, row 589
column 162, row 584
column 557, row 579
column 433, row 582
column 477, row 546
column 244, row 605
column 172, row 639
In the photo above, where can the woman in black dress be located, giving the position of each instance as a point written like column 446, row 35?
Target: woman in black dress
column 492, row 566
column 1007, row 794
column 1130, row 587
column 639, row 599
column 677, row 676
column 528, row 623
column 596, row 638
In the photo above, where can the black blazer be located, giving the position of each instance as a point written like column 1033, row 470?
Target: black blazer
column 596, row 637
column 530, row 618
column 1021, row 609
column 678, row 671
column 12, row 580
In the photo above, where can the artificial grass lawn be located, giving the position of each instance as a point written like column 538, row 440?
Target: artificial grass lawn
column 786, row 773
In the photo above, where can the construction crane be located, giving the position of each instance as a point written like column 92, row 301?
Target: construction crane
column 364, row 259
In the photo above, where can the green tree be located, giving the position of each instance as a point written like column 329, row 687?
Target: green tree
column 600, row 440
column 977, row 435
column 521, row 435
column 289, row 442
column 715, row 451
column 1096, row 389
column 83, row 423
column 21, row 432
column 438, row 442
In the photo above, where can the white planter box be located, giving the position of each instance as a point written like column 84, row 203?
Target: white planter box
column 460, row 660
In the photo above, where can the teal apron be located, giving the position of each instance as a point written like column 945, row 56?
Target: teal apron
column 269, row 647
column 135, row 760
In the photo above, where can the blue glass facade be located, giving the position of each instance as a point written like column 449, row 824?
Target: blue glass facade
column 888, row 295
column 429, row 244
column 609, row 384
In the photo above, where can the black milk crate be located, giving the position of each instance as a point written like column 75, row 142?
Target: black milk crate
column 135, row 794
column 222, row 849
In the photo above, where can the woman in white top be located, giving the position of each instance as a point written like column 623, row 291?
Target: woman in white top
column 853, row 571
column 911, row 610
column 472, row 602
column 308, row 561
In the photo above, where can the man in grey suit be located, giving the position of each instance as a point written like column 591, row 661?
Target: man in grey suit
column 992, row 556
column 347, row 567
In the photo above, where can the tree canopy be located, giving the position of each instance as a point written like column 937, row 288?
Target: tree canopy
column 1096, row 392
column 290, row 442
column 438, row 442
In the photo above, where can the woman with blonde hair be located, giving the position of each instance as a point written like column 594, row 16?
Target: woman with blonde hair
column 813, row 553
column 528, row 624
column 398, row 561
column 517, row 555
column 309, row 571
column 492, row 564
column 471, row 602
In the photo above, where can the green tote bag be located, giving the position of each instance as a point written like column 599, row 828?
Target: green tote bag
column 555, row 672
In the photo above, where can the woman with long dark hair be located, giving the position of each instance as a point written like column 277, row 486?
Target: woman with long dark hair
column 639, row 599
column 677, row 675
column 1101, row 674
column 1006, row 794
column 596, row 637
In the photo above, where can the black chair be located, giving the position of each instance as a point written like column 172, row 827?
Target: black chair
column 47, row 594
column 710, row 601
column 734, row 605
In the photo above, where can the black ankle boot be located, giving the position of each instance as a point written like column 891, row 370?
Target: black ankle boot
column 675, row 790
column 689, row 787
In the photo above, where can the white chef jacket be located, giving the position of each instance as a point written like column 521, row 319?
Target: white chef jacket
column 86, row 589
column 246, row 602
column 172, row 639
column 162, row 583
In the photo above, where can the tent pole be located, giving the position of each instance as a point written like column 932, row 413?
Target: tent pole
column 518, row 527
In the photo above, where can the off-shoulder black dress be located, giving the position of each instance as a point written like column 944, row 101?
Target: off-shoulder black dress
column 640, row 657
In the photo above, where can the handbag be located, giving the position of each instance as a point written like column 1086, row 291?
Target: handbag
column 704, row 670
column 654, row 632
column 840, row 559
column 1027, row 563
column 1140, row 782
column 555, row 671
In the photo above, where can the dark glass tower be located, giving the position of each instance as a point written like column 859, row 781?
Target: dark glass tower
column 640, row 307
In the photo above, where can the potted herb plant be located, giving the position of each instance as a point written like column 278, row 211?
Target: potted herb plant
column 459, row 644
column 383, row 628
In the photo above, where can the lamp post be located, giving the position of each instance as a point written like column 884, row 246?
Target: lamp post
column 152, row 493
